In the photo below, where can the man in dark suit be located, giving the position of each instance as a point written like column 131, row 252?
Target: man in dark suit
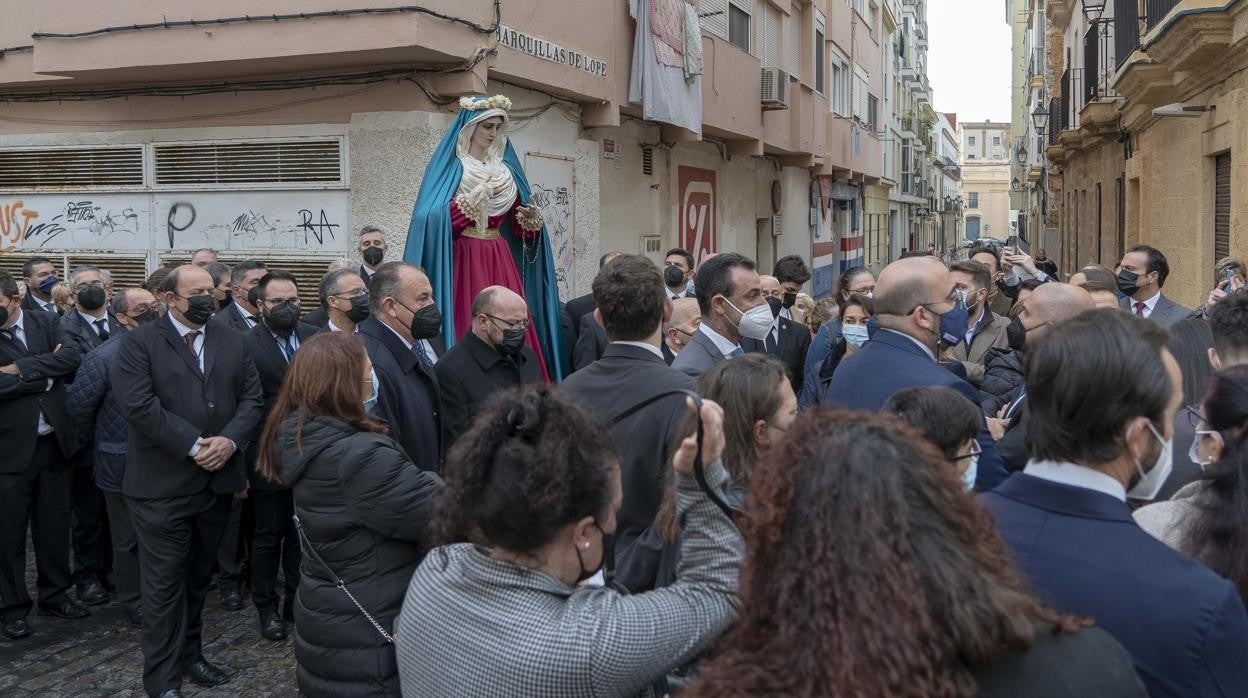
column 89, row 325
column 192, row 400
column 318, row 316
column 792, row 273
column 372, row 247
column 911, row 297
column 241, row 315
column 491, row 356
column 678, row 273
column 788, row 341
column 40, row 276
column 735, row 317
column 632, row 305
column 1141, row 274
column 591, row 342
column 346, row 300
column 272, row 344
column 1102, row 392
column 581, row 306
column 37, row 441
column 403, row 313
column 679, row 329
column 91, row 403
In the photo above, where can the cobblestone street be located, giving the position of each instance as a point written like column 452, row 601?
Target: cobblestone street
column 99, row 656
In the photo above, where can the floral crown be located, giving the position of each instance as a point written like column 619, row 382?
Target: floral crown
column 477, row 104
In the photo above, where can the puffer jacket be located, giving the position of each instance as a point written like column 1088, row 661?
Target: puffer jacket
column 1003, row 380
column 93, row 407
column 365, row 508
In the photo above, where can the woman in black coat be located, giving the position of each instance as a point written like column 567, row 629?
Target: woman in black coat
column 363, row 508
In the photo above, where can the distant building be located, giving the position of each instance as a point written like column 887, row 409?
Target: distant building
column 985, row 179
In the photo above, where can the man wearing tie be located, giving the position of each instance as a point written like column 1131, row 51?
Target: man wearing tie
column 787, row 340
column 403, row 317
column 37, row 441
column 241, row 315
column 735, row 318
column 272, row 344
column 192, row 399
column 40, row 277
column 89, row 325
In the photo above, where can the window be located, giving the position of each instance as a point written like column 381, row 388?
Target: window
column 906, row 180
column 820, row 84
column 996, row 140
column 839, row 88
column 767, row 37
column 970, row 157
column 972, row 199
column 970, row 140
column 739, row 27
column 873, row 112
column 861, row 83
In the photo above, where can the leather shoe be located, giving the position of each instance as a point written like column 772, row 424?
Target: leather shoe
column 133, row 616
column 271, row 626
column 92, row 593
column 16, row 629
column 231, row 599
column 203, row 673
column 171, row 693
column 63, row 609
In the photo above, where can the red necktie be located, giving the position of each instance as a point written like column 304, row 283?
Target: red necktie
column 1139, row 308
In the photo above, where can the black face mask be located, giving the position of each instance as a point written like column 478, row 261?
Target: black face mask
column 790, row 300
column 198, row 309
column 1016, row 334
column 253, row 297
column 225, row 302
column 283, row 318
column 512, row 343
column 359, row 311
column 775, row 304
column 150, row 316
column 91, row 298
column 426, row 322
column 673, row 277
column 373, row 256
column 1128, row 282
column 4, row 316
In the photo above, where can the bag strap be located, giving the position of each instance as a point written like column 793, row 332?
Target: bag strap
column 307, row 547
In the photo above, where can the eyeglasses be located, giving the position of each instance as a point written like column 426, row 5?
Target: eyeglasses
column 976, row 451
column 357, row 293
column 274, row 302
column 81, row 287
column 1194, row 417
column 509, row 324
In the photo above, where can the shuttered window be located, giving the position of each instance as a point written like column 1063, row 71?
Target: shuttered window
column 793, row 43
column 128, row 270
column 85, row 167
column 767, row 37
column 249, row 162
column 1222, row 206
column 714, row 16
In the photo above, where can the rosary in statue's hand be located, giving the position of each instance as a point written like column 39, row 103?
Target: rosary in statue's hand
column 530, row 218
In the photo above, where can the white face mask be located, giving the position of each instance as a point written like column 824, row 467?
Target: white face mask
column 1194, row 452
column 755, row 323
column 371, row 402
column 972, row 471
column 1150, row 482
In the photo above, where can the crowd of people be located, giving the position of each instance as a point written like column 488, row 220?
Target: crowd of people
column 945, row 479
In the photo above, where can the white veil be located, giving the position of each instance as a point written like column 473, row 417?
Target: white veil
column 487, row 188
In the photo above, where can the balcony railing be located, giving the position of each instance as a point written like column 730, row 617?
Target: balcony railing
column 1126, row 29
column 1055, row 120
column 1155, row 11
column 1098, row 63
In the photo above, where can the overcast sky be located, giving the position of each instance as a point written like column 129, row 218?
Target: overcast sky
column 968, row 58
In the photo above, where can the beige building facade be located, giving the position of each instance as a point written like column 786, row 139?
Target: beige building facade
column 276, row 129
column 985, row 180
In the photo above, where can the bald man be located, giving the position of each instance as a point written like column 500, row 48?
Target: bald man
column 788, row 340
column 491, row 356
column 1003, row 394
column 679, row 329
column 911, row 297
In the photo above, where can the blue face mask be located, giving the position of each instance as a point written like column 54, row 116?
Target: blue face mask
column 953, row 325
column 972, row 471
column 855, row 335
column 371, row 402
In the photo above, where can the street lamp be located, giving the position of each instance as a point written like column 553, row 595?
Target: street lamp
column 1040, row 119
column 1092, row 10
column 1022, row 155
column 1016, row 185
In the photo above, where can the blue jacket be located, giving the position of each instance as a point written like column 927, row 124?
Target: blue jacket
column 90, row 403
column 890, row 362
column 820, row 347
column 1184, row 626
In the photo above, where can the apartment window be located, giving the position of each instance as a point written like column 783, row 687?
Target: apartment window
column 996, row 140
column 873, row 111
column 906, row 177
column 739, row 27
column 820, row 85
column 970, row 140
column 972, row 199
column 861, row 83
column 842, row 76
column 767, row 37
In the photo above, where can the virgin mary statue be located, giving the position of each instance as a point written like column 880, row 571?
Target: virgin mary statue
column 473, row 227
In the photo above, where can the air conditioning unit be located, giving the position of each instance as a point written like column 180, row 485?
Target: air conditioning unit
column 775, row 89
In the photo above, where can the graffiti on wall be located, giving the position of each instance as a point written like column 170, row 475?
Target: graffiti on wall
column 553, row 187
column 36, row 222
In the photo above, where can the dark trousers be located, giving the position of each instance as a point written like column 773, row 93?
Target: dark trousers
column 93, row 555
column 125, row 550
column 38, row 497
column 275, row 543
column 178, row 539
column 233, row 551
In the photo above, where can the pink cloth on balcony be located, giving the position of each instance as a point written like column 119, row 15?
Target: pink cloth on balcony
column 667, row 20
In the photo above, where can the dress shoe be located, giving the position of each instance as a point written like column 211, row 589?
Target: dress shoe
column 271, row 626
column 109, row 583
column 171, row 693
column 133, row 616
column 63, row 609
column 92, row 593
column 231, row 598
column 16, row 629
column 203, row 673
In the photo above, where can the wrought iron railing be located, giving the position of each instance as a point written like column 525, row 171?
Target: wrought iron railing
column 1126, row 29
column 1055, row 119
column 1098, row 63
column 1156, row 10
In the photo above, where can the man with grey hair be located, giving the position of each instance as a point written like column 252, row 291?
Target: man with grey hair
column 913, row 298
column 346, row 301
column 241, row 312
column 108, row 285
column 329, row 284
column 203, row 256
column 372, row 250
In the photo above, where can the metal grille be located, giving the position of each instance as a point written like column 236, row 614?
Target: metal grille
column 127, row 269
column 308, row 270
column 95, row 166
column 1156, row 10
column 1222, row 207
column 1126, row 29
column 255, row 162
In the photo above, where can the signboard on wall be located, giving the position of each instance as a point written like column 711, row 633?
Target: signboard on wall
column 698, row 225
column 553, row 184
column 291, row 221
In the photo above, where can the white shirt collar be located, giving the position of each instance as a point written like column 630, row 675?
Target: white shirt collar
column 644, row 345
column 1148, row 304
column 91, row 320
column 183, row 329
column 1076, row 475
column 724, row 346
column 334, row 328
column 926, row 349
column 19, row 323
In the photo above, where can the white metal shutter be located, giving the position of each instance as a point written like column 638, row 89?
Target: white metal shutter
column 767, row 37
column 83, row 166
column 793, row 43
column 714, row 15
column 249, row 162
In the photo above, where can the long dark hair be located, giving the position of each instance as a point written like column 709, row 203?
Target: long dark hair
column 1217, row 535
column 847, row 277
column 325, row 379
column 531, row 463
column 869, row 572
